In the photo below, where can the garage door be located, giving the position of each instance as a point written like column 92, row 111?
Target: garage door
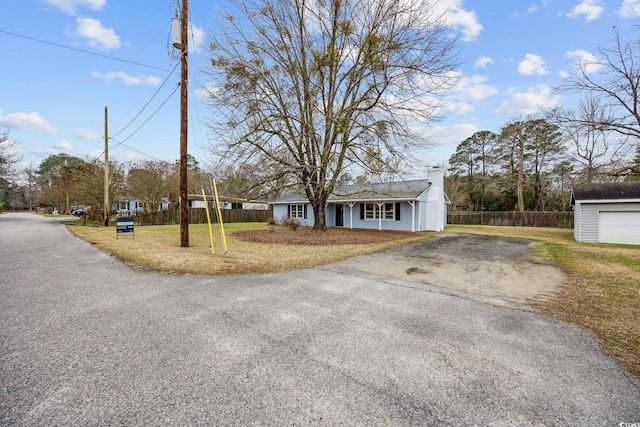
column 619, row 227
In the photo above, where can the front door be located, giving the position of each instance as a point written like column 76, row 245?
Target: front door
column 339, row 215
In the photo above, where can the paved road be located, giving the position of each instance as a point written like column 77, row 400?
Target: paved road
column 87, row 341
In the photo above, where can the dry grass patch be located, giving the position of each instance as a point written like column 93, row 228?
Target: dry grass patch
column 603, row 293
column 333, row 236
column 252, row 247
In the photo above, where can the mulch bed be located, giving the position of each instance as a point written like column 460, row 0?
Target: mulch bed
column 333, row 236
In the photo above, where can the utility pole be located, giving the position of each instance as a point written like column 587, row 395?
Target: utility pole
column 67, row 193
column 184, row 76
column 106, row 167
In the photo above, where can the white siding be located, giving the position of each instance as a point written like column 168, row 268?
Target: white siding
column 589, row 222
column 280, row 212
column 587, row 218
column 577, row 211
column 427, row 216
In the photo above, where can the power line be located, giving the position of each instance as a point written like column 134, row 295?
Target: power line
column 148, row 102
column 137, row 151
column 149, row 118
column 83, row 51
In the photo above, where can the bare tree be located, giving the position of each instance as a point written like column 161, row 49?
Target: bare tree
column 592, row 145
column 511, row 151
column 634, row 167
column 9, row 157
column 30, row 179
column 9, row 154
column 254, row 180
column 614, row 77
column 312, row 86
column 150, row 181
column 546, row 149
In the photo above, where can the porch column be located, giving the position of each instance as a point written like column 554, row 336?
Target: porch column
column 413, row 216
column 380, row 206
column 351, row 205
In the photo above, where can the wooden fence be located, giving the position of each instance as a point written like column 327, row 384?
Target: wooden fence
column 199, row 216
column 521, row 219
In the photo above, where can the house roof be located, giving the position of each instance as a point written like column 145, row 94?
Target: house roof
column 606, row 191
column 400, row 190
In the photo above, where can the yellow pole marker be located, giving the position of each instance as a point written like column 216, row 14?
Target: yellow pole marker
column 206, row 206
column 224, row 238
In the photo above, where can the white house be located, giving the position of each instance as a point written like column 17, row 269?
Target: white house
column 229, row 203
column 607, row 213
column 133, row 207
column 416, row 205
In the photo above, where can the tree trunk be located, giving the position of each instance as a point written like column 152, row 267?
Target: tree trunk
column 520, row 184
column 319, row 217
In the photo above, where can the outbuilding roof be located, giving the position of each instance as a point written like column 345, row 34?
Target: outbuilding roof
column 400, row 190
column 606, row 191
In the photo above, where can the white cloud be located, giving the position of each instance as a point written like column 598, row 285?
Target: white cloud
column 27, row 121
column 451, row 135
column 63, row 146
column 537, row 7
column 529, row 102
column 467, row 90
column 591, row 9
column 532, row 64
column 482, row 62
column 198, row 36
column 128, row 80
column 461, row 108
column 96, row 34
column 87, row 134
column 208, row 90
column 630, row 9
column 459, row 18
column 473, row 88
column 586, row 61
column 70, row 6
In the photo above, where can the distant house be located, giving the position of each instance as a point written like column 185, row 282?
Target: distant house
column 416, row 205
column 196, row 201
column 134, row 207
column 607, row 213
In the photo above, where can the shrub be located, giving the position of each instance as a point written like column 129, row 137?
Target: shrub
column 271, row 221
column 292, row 223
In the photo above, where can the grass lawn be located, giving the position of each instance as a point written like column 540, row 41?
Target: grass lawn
column 252, row 247
column 602, row 294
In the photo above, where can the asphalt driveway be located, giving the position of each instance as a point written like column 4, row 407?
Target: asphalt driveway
column 500, row 268
column 86, row 341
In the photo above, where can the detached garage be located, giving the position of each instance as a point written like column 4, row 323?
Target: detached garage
column 607, row 213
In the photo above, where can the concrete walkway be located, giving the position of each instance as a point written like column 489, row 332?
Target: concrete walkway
column 86, row 341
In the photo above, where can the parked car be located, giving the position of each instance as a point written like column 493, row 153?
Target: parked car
column 80, row 210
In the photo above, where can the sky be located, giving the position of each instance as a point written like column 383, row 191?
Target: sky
column 66, row 60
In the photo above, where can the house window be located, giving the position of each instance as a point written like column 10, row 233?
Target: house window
column 296, row 211
column 372, row 211
column 389, row 211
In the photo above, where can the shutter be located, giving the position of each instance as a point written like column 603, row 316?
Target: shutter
column 361, row 210
column 398, row 211
column 305, row 211
column 288, row 211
